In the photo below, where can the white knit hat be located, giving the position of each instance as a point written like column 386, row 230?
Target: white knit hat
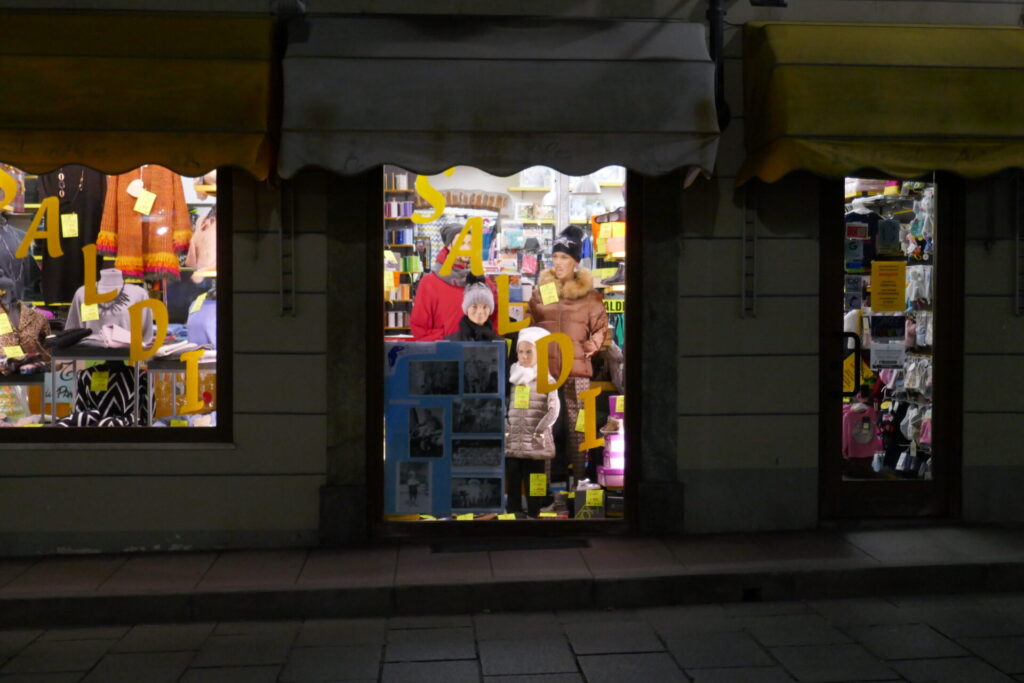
column 532, row 335
column 477, row 293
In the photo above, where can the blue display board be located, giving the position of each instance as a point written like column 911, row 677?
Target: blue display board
column 445, row 427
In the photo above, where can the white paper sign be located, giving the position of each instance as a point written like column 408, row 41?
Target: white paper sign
column 887, row 356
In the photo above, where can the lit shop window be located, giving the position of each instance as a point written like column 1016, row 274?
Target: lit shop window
column 504, row 303
column 108, row 291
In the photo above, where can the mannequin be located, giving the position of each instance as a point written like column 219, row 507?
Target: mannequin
column 113, row 312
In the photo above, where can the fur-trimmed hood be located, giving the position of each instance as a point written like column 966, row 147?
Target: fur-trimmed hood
column 581, row 284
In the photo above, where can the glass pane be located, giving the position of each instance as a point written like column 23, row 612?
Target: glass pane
column 81, row 251
column 471, row 430
column 889, row 266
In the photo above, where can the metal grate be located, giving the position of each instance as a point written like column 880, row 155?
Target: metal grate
column 748, row 265
column 286, row 244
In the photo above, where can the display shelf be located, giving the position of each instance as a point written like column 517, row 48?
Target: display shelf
column 398, row 218
column 400, row 246
column 397, row 328
column 611, row 216
column 399, row 191
column 19, row 380
column 535, row 221
column 529, row 189
column 611, row 184
column 398, row 301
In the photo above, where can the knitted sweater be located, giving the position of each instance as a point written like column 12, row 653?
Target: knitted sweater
column 145, row 245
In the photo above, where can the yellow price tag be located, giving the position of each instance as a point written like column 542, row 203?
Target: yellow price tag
column 13, row 351
column 5, row 324
column 538, row 484
column 34, row 424
column 468, row 517
column 179, row 423
column 197, row 304
column 144, row 204
column 548, row 514
column 595, row 498
column 505, row 516
column 521, row 400
column 581, row 421
column 100, row 380
column 620, row 404
column 549, row 293
column 90, row 312
column 69, row 225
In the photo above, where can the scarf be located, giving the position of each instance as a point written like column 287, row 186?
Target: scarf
column 470, row 331
column 522, row 375
column 459, row 272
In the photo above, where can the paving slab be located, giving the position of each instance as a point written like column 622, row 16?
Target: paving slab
column 254, row 569
column 829, row 663
column 232, row 674
column 94, row 633
column 256, row 626
column 543, row 678
column 417, row 565
column 354, row 662
column 431, row 621
column 959, row 670
column 539, row 564
column 63, row 576
column 607, row 637
column 244, row 650
column 162, row 573
column 350, row 567
column 907, row 641
column 15, row 640
column 164, row 638
column 43, row 678
column 1006, row 654
column 656, row 666
column 10, row 569
column 57, row 656
column 422, row 645
column 151, row 667
column 794, row 629
column 517, row 626
column 710, row 650
column 859, row 612
column 761, row 674
column 431, row 672
column 521, row 657
column 334, row 632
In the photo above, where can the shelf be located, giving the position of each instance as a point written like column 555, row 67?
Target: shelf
column 397, row 328
column 398, row 246
column 534, row 221
column 611, row 216
column 612, row 184
column 392, row 218
column 398, row 301
column 529, row 189
column 399, row 191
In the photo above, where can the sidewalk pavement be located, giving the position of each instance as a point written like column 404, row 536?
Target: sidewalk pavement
column 961, row 639
column 605, row 572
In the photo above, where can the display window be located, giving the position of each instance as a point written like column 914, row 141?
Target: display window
column 108, row 300
column 504, row 303
column 890, row 280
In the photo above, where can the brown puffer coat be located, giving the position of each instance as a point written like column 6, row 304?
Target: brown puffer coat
column 528, row 430
column 578, row 313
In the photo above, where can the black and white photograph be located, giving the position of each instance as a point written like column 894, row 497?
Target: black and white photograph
column 480, row 369
column 412, row 490
column 426, row 432
column 476, row 493
column 478, row 416
column 476, row 454
column 433, row 377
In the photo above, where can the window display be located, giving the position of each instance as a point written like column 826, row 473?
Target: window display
column 888, row 293
column 504, row 306
column 108, row 291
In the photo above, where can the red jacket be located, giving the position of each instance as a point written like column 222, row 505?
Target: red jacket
column 437, row 310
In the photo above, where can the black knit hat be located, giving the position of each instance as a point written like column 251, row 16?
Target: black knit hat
column 570, row 241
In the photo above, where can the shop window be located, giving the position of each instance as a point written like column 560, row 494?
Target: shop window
column 889, row 271
column 108, row 291
column 504, row 303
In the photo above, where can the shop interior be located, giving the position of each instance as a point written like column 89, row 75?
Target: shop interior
column 473, row 431
column 108, row 295
column 889, row 270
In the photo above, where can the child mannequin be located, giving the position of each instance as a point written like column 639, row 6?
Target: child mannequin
column 528, row 440
column 477, row 306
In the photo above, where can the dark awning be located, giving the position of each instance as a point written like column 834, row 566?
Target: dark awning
column 905, row 100
column 498, row 93
column 114, row 91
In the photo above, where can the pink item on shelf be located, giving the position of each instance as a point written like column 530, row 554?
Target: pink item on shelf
column 612, row 400
column 926, row 431
column 860, row 439
column 615, row 451
column 610, row 478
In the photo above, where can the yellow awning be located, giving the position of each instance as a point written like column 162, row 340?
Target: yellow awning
column 905, row 100
column 114, row 91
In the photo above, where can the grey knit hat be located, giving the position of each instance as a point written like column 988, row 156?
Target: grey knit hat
column 477, row 293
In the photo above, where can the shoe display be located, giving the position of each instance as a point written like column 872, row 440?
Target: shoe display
column 619, row 278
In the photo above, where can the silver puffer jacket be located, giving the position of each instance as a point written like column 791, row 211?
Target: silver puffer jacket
column 528, row 430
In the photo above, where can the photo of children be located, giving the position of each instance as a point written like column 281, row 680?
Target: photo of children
column 426, row 432
column 412, row 493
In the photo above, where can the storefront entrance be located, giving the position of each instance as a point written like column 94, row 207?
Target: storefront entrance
column 890, row 441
